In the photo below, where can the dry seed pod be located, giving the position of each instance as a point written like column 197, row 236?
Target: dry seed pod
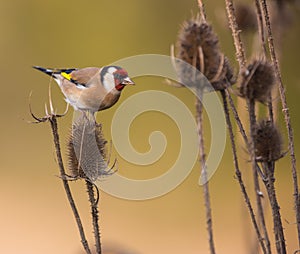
column 198, row 46
column 87, row 146
column 268, row 142
column 257, row 81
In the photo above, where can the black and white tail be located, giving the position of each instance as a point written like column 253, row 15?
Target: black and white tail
column 52, row 72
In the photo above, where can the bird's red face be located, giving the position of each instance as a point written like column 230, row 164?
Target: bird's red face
column 114, row 77
column 121, row 79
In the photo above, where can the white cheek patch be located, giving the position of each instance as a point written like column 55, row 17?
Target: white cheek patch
column 111, row 70
column 108, row 80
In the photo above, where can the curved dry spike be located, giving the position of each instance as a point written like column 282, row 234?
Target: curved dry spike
column 251, row 74
column 38, row 120
column 109, row 152
column 194, row 63
column 201, row 58
column 201, row 10
column 261, row 173
column 115, row 164
column 97, row 194
column 67, row 108
column 220, row 69
column 171, row 83
column 46, row 109
column 65, row 112
column 172, row 54
column 173, row 61
column 50, row 99
column 68, row 177
column 109, row 170
column 81, row 147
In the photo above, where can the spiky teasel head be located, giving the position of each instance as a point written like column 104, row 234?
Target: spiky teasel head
column 198, row 46
column 86, row 150
column 257, row 81
column 268, row 142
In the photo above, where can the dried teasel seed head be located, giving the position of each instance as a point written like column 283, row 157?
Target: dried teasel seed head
column 86, row 150
column 198, row 46
column 246, row 17
column 257, row 81
column 268, row 142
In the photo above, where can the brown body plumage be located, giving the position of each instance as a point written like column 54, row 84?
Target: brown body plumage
column 92, row 89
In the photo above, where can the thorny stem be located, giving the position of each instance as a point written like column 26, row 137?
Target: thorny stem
column 260, row 24
column 237, row 119
column 286, row 113
column 201, row 10
column 270, row 108
column 95, row 215
column 258, row 195
column 239, row 48
column 278, row 229
column 54, row 128
column 199, row 112
column 264, row 50
column 240, row 126
column 238, row 173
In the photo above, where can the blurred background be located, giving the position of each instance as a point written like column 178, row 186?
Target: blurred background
column 35, row 216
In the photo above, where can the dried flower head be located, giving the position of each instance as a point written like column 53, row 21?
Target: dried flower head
column 257, row 81
column 198, row 46
column 268, row 142
column 86, row 150
column 246, row 17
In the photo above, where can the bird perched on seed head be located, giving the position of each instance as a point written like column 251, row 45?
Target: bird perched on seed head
column 90, row 89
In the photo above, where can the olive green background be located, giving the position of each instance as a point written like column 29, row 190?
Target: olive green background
column 34, row 216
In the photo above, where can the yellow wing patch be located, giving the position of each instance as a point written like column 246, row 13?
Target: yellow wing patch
column 66, row 75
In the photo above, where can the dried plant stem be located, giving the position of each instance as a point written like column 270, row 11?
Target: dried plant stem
column 95, row 215
column 272, row 113
column 237, row 118
column 261, row 29
column 54, row 128
column 258, row 195
column 199, row 117
column 239, row 48
column 256, row 183
column 286, row 113
column 202, row 10
column 278, row 229
column 238, row 174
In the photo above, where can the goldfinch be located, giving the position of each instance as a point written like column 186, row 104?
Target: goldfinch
column 90, row 89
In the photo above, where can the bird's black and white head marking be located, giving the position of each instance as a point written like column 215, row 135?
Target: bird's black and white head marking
column 112, row 77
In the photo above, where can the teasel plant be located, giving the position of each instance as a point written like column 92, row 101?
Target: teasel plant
column 87, row 160
column 259, row 80
column 267, row 43
column 198, row 46
column 257, row 83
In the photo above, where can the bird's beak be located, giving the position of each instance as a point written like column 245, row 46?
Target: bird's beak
column 127, row 81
